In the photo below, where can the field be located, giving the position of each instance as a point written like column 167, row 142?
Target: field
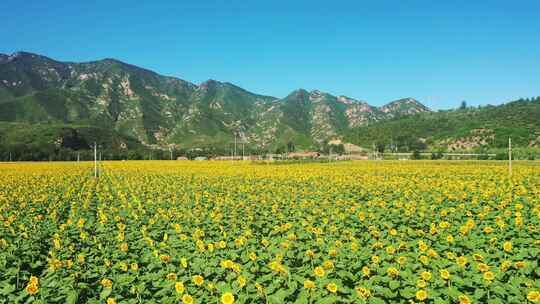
column 217, row 232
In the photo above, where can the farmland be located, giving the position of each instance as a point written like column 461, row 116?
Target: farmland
column 222, row 232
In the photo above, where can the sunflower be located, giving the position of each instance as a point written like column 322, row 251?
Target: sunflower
column 421, row 295
column 462, row 261
column 308, row 284
column 426, row 275
column 241, row 281
column 124, row 247
column 227, row 264
column 32, row 289
column 165, row 258
column 332, row 287
column 319, row 271
column 187, row 299
column 478, row 257
column 106, row 283
column 489, row 276
column 393, row 272
column 329, row 265
column 463, row 299
column 366, row 271
column 533, row 296
column 253, row 256
column 402, row 260
column 33, row 280
column 482, row 267
column 227, row 298
column 362, row 292
column 445, row 274
column 422, row 246
column 198, row 280
column 179, row 287
column 507, row 246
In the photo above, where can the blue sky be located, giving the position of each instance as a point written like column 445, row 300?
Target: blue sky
column 440, row 52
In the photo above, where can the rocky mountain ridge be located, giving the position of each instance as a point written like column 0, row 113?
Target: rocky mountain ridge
column 161, row 110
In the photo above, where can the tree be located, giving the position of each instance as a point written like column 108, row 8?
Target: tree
column 436, row 155
column 379, row 146
column 338, row 149
column 291, row 147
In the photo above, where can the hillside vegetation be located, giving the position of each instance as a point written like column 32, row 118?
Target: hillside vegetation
column 50, row 106
column 159, row 111
column 470, row 129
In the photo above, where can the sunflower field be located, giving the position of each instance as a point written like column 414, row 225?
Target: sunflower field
column 222, row 232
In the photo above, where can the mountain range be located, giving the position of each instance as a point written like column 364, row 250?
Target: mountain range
column 124, row 105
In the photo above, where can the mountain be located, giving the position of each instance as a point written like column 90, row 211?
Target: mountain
column 404, row 107
column 140, row 106
column 471, row 129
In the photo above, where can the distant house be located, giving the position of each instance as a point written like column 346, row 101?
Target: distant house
column 246, row 157
column 303, row 155
column 201, row 158
column 182, row 158
column 352, row 157
column 224, row 157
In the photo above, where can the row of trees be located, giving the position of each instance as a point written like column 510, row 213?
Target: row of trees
column 52, row 153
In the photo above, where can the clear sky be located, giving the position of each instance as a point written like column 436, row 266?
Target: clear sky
column 440, row 52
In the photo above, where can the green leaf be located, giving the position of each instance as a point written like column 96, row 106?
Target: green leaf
column 453, row 293
column 479, row 293
column 279, row 296
column 303, row 298
column 408, row 292
column 72, row 297
column 6, row 288
column 105, row 293
column 375, row 300
column 328, row 300
column 394, row 284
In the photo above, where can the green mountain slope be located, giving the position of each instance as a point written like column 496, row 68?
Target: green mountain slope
column 460, row 130
column 158, row 111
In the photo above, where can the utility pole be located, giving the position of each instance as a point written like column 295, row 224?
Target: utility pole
column 78, row 156
column 510, row 157
column 234, row 157
column 9, row 156
column 171, row 153
column 243, row 151
column 95, row 161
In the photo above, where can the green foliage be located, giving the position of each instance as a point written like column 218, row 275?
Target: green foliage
column 150, row 109
column 518, row 120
